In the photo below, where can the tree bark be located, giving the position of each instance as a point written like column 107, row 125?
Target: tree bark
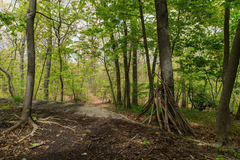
column 60, row 68
column 48, row 65
column 134, row 78
column 46, row 77
column 27, row 104
column 150, row 79
column 21, row 52
column 154, row 64
column 165, row 57
column 226, row 41
column 126, row 70
column 118, row 74
column 223, row 116
column 40, row 78
column 110, row 81
column 184, row 97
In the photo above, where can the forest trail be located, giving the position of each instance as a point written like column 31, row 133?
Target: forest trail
column 65, row 132
column 97, row 101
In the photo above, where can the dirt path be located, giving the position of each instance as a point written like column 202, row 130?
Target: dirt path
column 96, row 101
column 66, row 134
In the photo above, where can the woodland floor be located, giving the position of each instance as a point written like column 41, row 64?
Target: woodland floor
column 81, row 137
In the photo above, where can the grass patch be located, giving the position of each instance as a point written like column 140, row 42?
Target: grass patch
column 207, row 119
column 134, row 109
column 6, row 105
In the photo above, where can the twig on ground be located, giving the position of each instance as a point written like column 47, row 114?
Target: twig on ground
column 151, row 149
column 37, row 146
column 97, row 156
column 10, row 157
column 16, row 115
column 206, row 156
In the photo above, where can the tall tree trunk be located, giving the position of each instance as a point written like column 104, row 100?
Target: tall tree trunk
column 155, row 56
column 226, row 41
column 93, row 80
column 223, row 116
column 150, row 79
column 118, row 74
column 60, row 68
column 40, row 78
column 27, row 104
column 184, row 97
column 126, row 70
column 48, row 65
column 110, row 81
column 134, row 78
column 21, row 51
column 164, row 44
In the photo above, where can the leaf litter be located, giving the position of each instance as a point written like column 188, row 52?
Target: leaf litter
column 101, row 138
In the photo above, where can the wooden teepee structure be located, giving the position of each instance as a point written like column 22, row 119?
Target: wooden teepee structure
column 167, row 111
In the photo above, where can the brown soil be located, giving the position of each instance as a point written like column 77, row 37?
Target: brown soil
column 81, row 137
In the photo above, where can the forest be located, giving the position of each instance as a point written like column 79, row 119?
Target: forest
column 166, row 71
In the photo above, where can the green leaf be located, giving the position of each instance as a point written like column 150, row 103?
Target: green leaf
column 35, row 144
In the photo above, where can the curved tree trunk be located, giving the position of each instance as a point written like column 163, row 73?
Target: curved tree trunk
column 10, row 86
column 150, row 78
column 27, row 104
column 223, row 116
column 110, row 81
column 118, row 76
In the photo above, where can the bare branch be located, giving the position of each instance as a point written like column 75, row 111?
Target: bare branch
column 51, row 18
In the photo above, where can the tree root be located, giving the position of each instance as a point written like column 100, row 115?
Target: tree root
column 29, row 121
column 34, row 125
column 13, row 127
column 51, row 122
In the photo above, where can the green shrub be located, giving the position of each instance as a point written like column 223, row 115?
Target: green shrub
column 17, row 99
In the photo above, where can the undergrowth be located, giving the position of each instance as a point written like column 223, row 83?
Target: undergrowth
column 207, row 119
column 134, row 109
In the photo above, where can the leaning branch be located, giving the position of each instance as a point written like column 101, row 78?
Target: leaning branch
column 11, row 89
column 51, row 18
